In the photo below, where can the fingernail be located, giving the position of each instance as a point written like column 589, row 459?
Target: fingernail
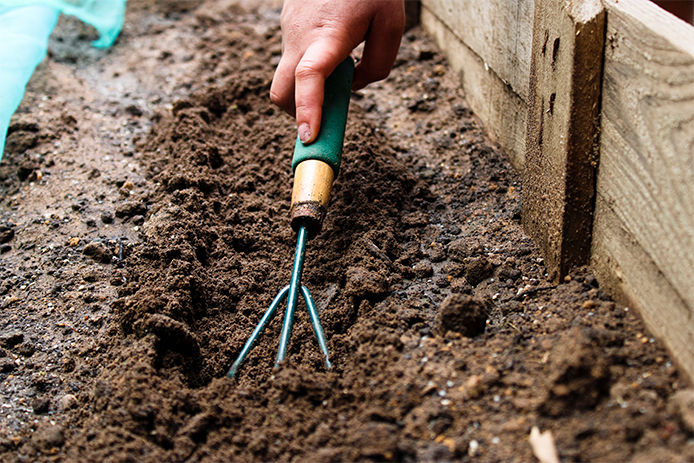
column 304, row 132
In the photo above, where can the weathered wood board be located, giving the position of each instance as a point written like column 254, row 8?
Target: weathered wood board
column 502, row 110
column 562, row 130
column 643, row 229
column 499, row 32
column 643, row 235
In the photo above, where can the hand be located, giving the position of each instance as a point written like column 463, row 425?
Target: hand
column 316, row 36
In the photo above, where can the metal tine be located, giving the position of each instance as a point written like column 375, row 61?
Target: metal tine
column 291, row 292
column 293, row 295
column 315, row 323
column 269, row 314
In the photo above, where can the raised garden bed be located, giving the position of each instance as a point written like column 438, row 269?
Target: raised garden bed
column 593, row 102
column 145, row 196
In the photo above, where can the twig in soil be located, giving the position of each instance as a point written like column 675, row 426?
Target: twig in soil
column 508, row 323
column 377, row 252
column 328, row 297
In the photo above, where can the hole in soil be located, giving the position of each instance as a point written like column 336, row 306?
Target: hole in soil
column 542, row 123
column 555, row 51
column 201, row 254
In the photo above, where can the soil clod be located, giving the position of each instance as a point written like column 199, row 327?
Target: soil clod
column 580, row 376
column 48, row 437
column 131, row 208
column 40, row 405
column 362, row 282
column 99, row 252
column 107, row 217
column 477, row 269
column 464, row 314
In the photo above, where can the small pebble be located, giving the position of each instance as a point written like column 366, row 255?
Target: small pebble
column 98, row 252
column 473, row 448
column 67, row 402
column 423, row 269
column 589, row 304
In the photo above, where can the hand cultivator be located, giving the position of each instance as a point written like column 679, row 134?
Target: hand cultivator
column 315, row 167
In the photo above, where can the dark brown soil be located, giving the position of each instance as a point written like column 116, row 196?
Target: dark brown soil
column 127, row 295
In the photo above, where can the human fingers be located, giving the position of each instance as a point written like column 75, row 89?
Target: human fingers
column 318, row 62
column 380, row 48
column 282, row 88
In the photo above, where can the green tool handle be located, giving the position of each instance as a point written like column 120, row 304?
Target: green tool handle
column 327, row 146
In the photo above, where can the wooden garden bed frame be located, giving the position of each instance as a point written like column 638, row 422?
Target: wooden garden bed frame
column 594, row 102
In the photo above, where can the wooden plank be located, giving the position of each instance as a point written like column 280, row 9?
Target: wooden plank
column 499, row 32
column 563, row 111
column 628, row 273
column 643, row 241
column 501, row 110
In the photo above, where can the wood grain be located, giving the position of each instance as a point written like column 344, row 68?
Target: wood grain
column 562, row 130
column 501, row 110
column 627, row 272
column 499, row 32
column 643, row 242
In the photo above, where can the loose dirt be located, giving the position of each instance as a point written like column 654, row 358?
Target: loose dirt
column 144, row 229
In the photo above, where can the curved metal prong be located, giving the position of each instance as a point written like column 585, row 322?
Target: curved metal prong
column 269, row 313
column 315, row 323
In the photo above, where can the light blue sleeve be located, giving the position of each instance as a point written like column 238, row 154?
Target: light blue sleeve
column 23, row 38
column 25, row 26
